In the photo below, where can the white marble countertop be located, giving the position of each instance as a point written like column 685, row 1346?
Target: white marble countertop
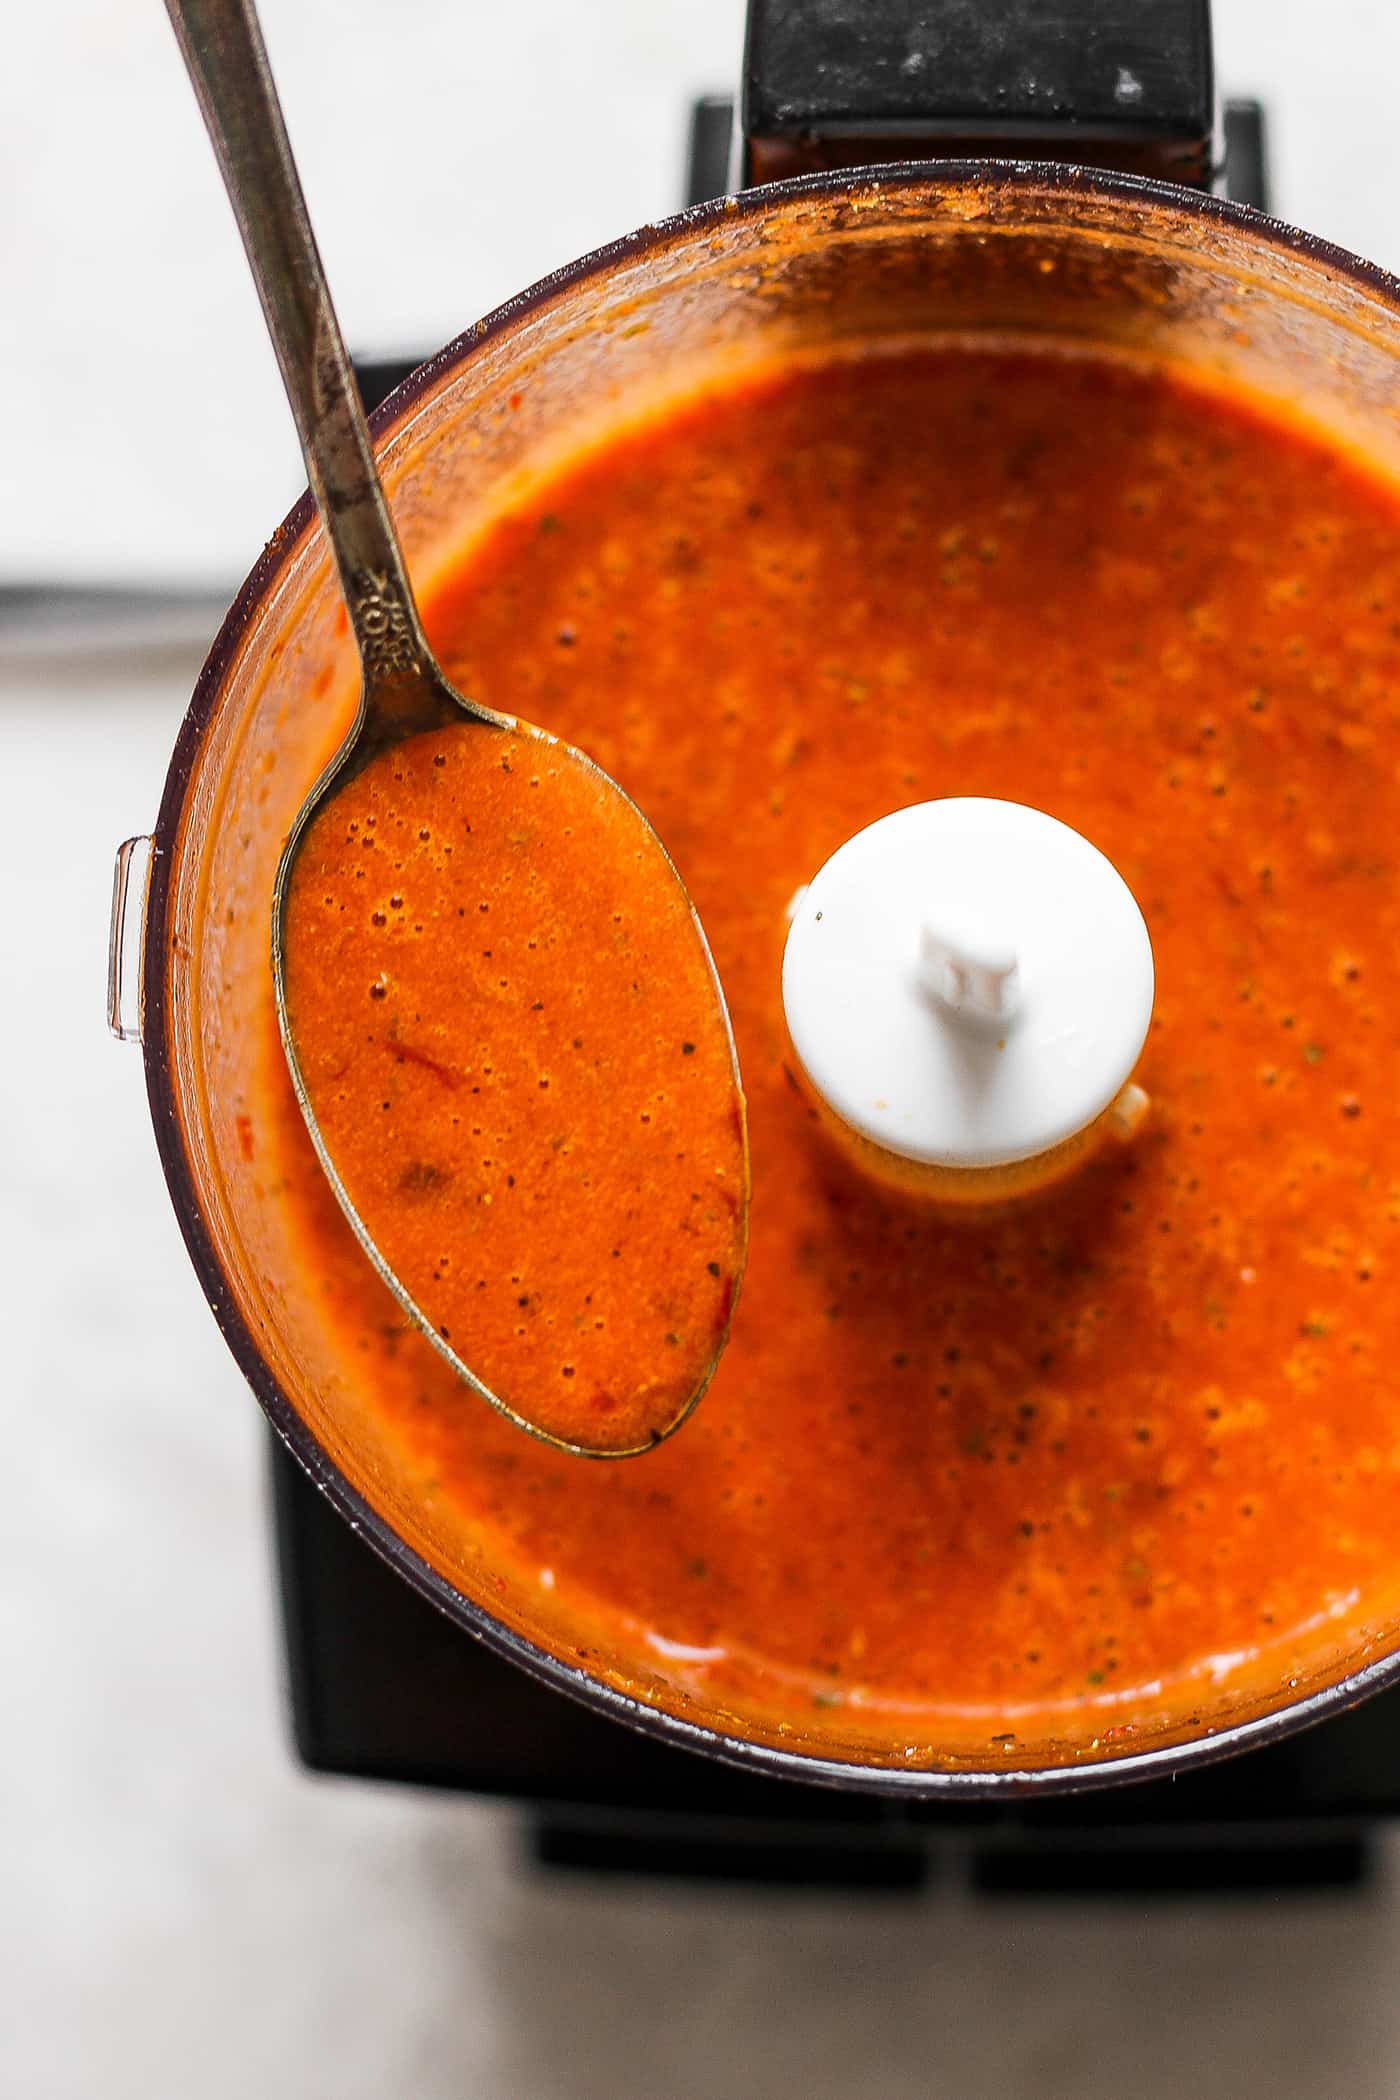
column 184, row 1912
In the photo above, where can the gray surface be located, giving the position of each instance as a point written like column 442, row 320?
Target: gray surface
column 181, row 1912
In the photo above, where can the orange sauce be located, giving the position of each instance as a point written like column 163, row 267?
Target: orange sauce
column 1141, row 1435
column 507, row 1024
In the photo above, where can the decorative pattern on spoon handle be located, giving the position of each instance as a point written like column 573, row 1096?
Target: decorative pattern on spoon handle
column 385, row 628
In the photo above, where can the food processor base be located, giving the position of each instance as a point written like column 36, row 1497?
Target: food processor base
column 382, row 1687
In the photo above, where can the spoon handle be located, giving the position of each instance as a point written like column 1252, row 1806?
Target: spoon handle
column 223, row 50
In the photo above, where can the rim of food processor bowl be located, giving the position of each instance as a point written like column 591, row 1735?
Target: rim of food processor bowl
column 966, row 1783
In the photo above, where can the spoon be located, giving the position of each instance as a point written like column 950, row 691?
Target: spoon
column 574, row 806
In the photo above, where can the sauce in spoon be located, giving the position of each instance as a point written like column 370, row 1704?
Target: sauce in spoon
column 511, row 1039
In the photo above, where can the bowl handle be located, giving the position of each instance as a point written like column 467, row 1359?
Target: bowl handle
column 126, row 937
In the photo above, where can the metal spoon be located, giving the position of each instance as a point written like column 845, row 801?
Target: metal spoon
column 404, row 691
